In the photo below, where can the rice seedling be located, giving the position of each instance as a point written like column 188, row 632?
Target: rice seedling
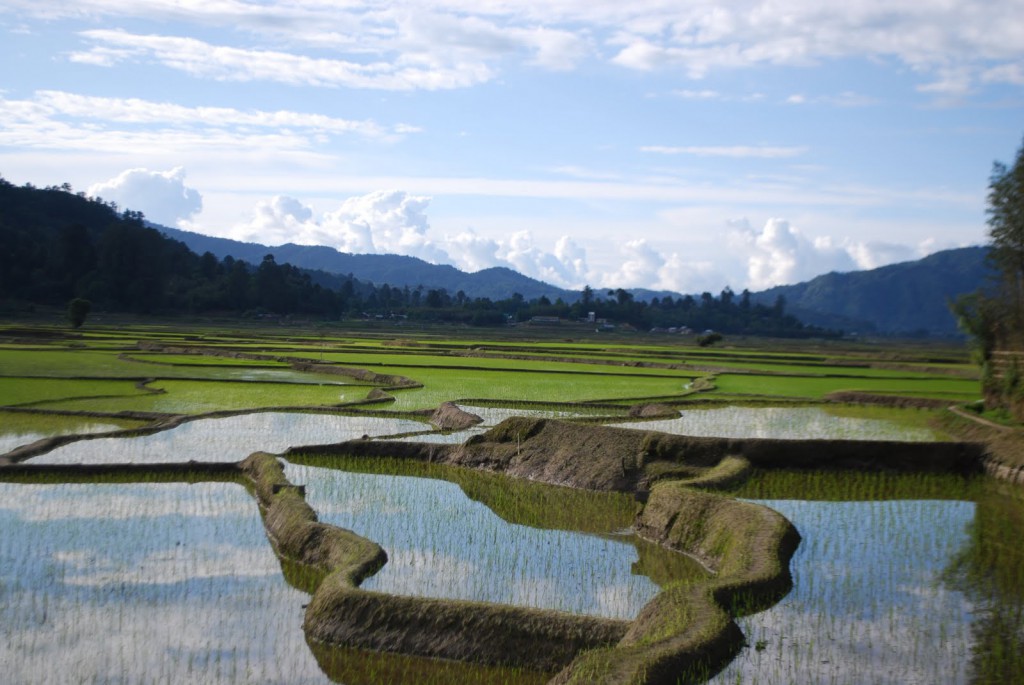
column 144, row 583
column 17, row 428
column 955, row 390
column 787, row 423
column 442, row 544
column 881, row 584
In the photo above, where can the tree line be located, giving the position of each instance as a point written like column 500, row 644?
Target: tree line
column 61, row 246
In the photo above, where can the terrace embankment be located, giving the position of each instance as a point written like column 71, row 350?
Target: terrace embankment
column 688, row 627
column 342, row 614
column 626, row 460
column 1004, row 445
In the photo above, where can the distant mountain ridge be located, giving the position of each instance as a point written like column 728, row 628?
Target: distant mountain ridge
column 909, row 298
column 495, row 283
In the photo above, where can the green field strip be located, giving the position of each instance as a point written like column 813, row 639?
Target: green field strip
column 794, row 386
column 498, row 385
column 16, row 391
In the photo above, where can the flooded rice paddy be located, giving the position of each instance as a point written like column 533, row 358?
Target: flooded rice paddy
column 228, row 439
column 868, row 603
column 786, row 423
column 177, row 583
column 442, row 544
column 14, row 436
column 922, row 582
column 133, row 583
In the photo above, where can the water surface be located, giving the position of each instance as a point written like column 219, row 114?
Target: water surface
column 782, row 423
column 138, row 583
column 442, row 544
column 869, row 604
column 228, row 439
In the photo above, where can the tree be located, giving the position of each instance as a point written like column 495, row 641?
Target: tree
column 1006, row 229
column 78, row 310
column 995, row 319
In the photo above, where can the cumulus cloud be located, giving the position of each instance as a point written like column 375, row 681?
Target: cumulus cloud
column 161, row 195
column 646, row 266
column 387, row 221
column 279, row 220
column 473, row 252
column 780, row 253
column 566, row 266
column 395, row 222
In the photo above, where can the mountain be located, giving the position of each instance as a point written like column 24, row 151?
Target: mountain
column 909, row 298
column 496, row 283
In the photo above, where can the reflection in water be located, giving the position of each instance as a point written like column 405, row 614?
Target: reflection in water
column 867, row 604
column 782, row 423
column 144, row 583
column 8, row 441
column 990, row 570
column 228, row 439
column 442, row 544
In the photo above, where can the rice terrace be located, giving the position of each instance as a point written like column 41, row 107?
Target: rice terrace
column 370, row 504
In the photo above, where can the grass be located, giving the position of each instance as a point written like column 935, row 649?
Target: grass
column 197, row 397
column 955, row 390
column 37, row 391
column 441, row 385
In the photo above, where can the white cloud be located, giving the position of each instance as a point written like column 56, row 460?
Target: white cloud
column 779, row 253
column 225, row 63
column 697, row 94
column 735, row 151
column 566, row 266
column 647, row 266
column 873, row 254
column 640, row 267
column 456, row 43
column 381, row 222
column 132, row 126
column 396, row 222
column 386, row 221
column 276, row 221
column 138, row 111
column 161, row 195
column 473, row 252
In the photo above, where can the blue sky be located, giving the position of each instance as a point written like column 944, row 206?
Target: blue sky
column 662, row 144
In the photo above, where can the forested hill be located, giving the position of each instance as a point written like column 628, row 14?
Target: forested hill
column 59, row 246
column 495, row 283
column 909, row 298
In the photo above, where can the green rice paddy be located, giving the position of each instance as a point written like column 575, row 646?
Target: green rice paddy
column 899, row 578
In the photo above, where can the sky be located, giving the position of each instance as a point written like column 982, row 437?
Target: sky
column 684, row 145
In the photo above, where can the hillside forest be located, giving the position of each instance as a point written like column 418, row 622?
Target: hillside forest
column 61, row 246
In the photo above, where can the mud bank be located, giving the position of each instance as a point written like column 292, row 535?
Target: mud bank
column 688, row 628
column 342, row 614
column 449, row 416
column 627, row 460
column 1004, row 457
